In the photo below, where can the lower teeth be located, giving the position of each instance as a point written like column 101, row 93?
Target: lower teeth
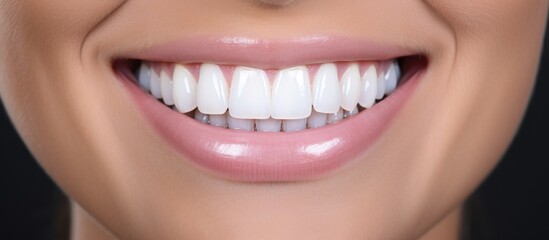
column 316, row 120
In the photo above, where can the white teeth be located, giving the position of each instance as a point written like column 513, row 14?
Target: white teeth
column 380, row 89
column 326, row 94
column 391, row 77
column 350, row 87
column 166, row 88
column 291, row 97
column 369, row 87
column 351, row 113
column 201, row 117
column 155, row 85
column 335, row 117
column 291, row 104
column 184, row 89
column 268, row 125
column 317, row 119
column 293, row 125
column 212, row 91
column 250, row 94
column 218, row 120
column 240, row 124
column 144, row 77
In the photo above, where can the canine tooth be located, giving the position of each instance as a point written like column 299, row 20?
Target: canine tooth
column 317, row 119
column 391, row 77
column 166, row 88
column 291, row 97
column 201, row 117
column 351, row 113
column 250, row 94
column 184, row 89
column 240, row 124
column 350, row 87
column 144, row 76
column 368, row 88
column 380, row 89
column 268, row 125
column 326, row 93
column 335, row 117
column 218, row 120
column 155, row 85
column 292, row 125
column 212, row 91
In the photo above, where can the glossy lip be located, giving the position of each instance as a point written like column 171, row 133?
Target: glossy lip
column 269, row 157
column 269, row 54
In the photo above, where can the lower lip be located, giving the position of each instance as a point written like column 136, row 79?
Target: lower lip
column 271, row 157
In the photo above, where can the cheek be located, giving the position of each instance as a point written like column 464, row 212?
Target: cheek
column 486, row 93
column 34, row 35
column 31, row 28
column 479, row 18
column 39, row 60
column 481, row 98
column 497, row 46
column 49, row 19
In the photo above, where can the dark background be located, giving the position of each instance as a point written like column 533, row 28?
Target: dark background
column 510, row 204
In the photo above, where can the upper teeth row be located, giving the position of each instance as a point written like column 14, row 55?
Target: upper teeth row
column 251, row 95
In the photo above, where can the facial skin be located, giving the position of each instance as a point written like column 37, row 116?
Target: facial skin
column 58, row 85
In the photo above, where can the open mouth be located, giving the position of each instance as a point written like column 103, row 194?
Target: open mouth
column 290, row 123
column 251, row 99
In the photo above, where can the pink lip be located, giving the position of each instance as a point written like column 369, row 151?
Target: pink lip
column 271, row 157
column 269, row 54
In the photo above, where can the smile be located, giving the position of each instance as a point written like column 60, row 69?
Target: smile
column 270, row 121
column 299, row 97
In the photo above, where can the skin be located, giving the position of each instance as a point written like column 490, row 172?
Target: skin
column 59, row 89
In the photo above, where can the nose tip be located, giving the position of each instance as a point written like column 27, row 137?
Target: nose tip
column 273, row 3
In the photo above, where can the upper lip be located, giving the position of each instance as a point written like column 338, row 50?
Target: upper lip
column 269, row 54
